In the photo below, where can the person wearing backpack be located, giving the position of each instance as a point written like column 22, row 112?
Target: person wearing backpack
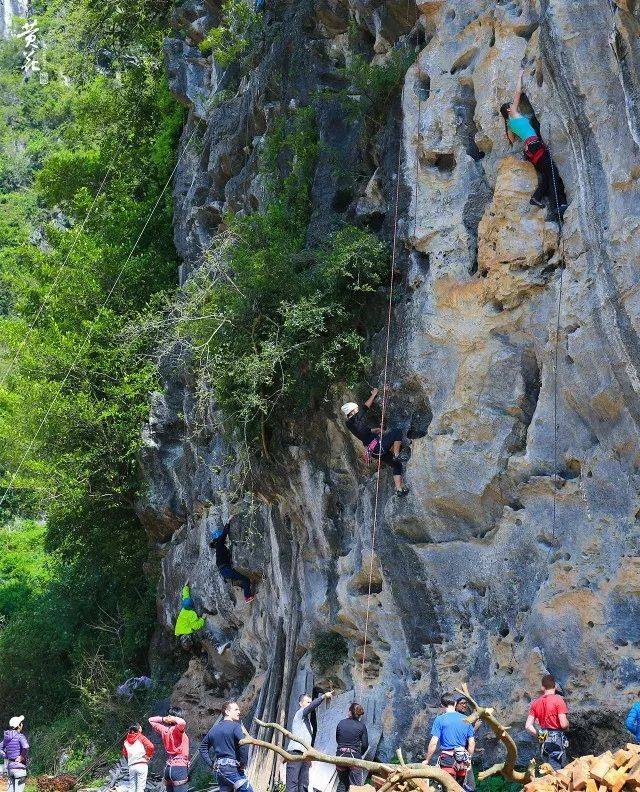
column 137, row 750
column 550, row 184
column 384, row 447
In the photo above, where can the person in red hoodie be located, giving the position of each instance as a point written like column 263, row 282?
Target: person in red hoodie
column 172, row 728
column 137, row 750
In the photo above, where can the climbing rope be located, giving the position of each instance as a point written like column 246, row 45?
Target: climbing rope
column 98, row 315
column 54, row 283
column 418, row 142
column 384, row 391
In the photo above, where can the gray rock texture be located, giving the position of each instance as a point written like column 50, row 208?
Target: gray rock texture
column 8, row 10
column 487, row 354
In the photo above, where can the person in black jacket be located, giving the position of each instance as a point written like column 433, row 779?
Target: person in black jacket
column 231, row 757
column 224, row 561
column 353, row 741
column 386, row 447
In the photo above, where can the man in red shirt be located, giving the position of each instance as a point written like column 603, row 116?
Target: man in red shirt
column 550, row 712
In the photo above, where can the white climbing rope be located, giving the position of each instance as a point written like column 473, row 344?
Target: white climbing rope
column 384, row 392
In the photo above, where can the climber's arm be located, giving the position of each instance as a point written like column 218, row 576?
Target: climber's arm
column 518, row 93
column 371, row 399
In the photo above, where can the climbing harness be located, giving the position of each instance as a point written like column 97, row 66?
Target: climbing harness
column 98, row 316
column 370, row 451
column 534, row 149
column 455, row 761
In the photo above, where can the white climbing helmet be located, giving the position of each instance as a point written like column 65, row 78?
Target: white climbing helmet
column 348, row 408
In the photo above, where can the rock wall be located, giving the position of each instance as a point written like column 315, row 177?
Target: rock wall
column 9, row 9
column 500, row 330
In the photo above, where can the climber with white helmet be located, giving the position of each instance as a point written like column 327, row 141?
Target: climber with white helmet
column 550, row 184
column 379, row 446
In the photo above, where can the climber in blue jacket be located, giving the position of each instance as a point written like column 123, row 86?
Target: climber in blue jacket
column 633, row 721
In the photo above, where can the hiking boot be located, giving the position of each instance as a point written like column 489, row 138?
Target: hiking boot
column 535, row 202
column 402, row 492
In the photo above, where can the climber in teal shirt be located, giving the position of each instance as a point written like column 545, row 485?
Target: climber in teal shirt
column 550, row 186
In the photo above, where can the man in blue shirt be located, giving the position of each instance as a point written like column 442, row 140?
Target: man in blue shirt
column 456, row 740
column 633, row 721
column 231, row 757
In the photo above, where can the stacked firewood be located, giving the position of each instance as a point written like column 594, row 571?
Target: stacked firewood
column 609, row 772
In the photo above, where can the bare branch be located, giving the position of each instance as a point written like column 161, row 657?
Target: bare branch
column 393, row 775
column 507, row 768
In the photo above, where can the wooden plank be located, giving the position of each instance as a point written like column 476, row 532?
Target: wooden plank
column 601, row 766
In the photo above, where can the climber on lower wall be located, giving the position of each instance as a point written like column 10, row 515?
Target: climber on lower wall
column 550, row 184
column 191, row 628
column 550, row 712
column 386, row 448
column 224, row 561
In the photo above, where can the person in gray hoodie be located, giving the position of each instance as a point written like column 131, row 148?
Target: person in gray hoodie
column 298, row 772
column 15, row 749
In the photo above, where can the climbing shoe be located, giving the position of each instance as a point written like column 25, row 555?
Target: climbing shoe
column 223, row 647
column 402, row 492
column 536, row 202
column 249, row 599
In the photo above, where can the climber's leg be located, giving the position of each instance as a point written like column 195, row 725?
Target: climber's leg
column 231, row 574
column 556, row 189
column 396, row 468
column 543, row 173
column 343, row 779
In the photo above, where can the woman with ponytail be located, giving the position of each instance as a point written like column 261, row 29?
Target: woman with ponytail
column 353, row 741
column 550, row 185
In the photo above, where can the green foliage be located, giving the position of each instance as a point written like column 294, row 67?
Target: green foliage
column 328, row 649
column 497, row 784
column 24, row 567
column 272, row 323
column 74, row 387
column 239, row 27
column 376, row 83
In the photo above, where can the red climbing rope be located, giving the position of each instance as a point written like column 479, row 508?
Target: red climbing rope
column 384, row 393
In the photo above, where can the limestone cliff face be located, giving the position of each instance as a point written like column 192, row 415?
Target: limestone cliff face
column 8, row 10
column 468, row 581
